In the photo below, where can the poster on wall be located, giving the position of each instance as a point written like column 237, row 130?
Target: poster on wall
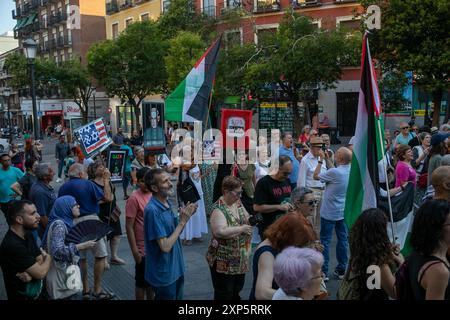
column 116, row 164
column 234, row 124
column 92, row 137
column 153, row 125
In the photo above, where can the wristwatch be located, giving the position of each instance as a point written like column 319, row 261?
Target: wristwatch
column 320, row 162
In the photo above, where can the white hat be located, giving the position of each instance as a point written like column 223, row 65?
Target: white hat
column 352, row 141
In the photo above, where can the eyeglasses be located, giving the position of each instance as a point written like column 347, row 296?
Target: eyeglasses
column 405, row 128
column 311, row 203
column 237, row 193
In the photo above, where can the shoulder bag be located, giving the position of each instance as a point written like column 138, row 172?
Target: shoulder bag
column 187, row 192
column 63, row 279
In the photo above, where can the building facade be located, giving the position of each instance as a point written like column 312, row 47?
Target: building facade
column 10, row 104
column 63, row 30
column 264, row 16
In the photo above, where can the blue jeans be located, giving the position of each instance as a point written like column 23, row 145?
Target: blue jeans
column 173, row 291
column 326, row 233
column 60, row 167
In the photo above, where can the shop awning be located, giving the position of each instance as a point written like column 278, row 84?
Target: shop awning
column 30, row 19
column 20, row 23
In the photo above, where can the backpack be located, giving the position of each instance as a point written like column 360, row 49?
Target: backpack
column 402, row 285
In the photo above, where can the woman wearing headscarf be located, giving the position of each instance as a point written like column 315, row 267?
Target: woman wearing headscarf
column 60, row 222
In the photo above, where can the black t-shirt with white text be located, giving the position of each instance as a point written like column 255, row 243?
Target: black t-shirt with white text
column 270, row 191
column 16, row 256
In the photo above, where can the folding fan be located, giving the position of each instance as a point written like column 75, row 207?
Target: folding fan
column 88, row 230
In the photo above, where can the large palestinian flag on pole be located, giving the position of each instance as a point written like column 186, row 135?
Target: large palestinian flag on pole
column 363, row 187
column 189, row 101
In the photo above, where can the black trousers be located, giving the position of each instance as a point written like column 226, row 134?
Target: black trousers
column 4, row 206
column 226, row 286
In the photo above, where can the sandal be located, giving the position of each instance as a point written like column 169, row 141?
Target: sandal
column 117, row 261
column 104, row 296
column 87, row 295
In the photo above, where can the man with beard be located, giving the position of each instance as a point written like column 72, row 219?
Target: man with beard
column 164, row 265
column 23, row 264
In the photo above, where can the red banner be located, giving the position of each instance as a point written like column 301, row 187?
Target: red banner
column 234, row 124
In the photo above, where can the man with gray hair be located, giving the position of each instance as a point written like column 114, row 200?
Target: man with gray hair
column 332, row 209
column 42, row 194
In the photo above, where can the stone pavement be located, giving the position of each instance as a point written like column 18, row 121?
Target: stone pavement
column 120, row 279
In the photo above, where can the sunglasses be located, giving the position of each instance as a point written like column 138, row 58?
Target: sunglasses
column 405, row 128
column 311, row 203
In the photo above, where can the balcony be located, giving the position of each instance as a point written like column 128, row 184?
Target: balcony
column 44, row 47
column 17, row 13
column 266, row 6
column 112, row 7
column 210, row 11
column 305, row 4
column 57, row 18
column 126, row 4
column 35, row 27
column 64, row 41
column 45, row 2
column 34, row 5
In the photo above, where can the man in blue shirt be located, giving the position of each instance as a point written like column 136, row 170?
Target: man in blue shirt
column 42, row 194
column 8, row 176
column 164, row 265
column 332, row 209
column 88, row 196
column 286, row 149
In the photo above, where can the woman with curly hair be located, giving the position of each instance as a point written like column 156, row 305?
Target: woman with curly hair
column 292, row 229
column 429, row 268
column 370, row 246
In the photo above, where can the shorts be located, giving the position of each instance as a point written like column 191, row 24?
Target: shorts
column 100, row 249
column 139, row 275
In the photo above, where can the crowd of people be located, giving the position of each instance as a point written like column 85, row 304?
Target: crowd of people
column 277, row 223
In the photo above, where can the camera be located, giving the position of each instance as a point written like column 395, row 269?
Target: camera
column 255, row 219
column 324, row 147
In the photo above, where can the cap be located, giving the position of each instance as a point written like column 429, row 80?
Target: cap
column 352, row 141
column 316, row 141
column 439, row 137
column 434, row 130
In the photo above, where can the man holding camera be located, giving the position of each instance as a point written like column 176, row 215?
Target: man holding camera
column 306, row 176
column 332, row 210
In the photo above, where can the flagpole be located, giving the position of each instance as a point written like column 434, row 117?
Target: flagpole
column 387, row 183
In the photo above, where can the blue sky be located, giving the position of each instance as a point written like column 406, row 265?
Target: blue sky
column 6, row 21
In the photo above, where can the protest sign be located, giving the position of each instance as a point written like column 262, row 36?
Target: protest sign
column 116, row 164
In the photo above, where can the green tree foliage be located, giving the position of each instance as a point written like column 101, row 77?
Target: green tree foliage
column 299, row 57
column 414, row 36
column 182, row 16
column 75, row 82
column 184, row 51
column 16, row 64
column 131, row 67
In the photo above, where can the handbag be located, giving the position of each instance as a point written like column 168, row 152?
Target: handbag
column 63, row 279
column 186, row 190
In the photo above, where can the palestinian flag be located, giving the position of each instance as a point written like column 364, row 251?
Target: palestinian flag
column 189, row 101
column 363, row 186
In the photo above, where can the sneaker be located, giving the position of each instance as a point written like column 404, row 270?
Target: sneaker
column 339, row 274
column 326, row 279
column 58, row 180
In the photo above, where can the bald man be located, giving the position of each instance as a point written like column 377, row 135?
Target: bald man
column 332, row 209
column 440, row 179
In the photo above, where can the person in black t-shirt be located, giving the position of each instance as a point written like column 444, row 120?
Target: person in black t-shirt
column 23, row 186
column 272, row 194
column 23, row 264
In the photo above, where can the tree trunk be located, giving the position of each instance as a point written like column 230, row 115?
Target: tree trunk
column 297, row 119
column 437, row 97
column 137, row 113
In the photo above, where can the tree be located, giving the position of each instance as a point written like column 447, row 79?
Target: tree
column 131, row 67
column 299, row 57
column 75, row 82
column 184, row 51
column 182, row 16
column 414, row 37
column 16, row 64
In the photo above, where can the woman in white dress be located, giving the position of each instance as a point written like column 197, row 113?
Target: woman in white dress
column 197, row 224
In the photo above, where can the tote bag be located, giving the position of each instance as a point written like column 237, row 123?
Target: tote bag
column 63, row 279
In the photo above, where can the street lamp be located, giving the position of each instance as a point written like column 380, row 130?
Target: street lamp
column 6, row 94
column 94, row 91
column 30, row 49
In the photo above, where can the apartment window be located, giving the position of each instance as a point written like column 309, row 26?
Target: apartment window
column 115, row 30
column 233, row 38
column 165, row 5
column 61, row 57
column 352, row 25
column 265, row 36
column 233, row 3
column 209, row 8
column 145, row 17
column 128, row 22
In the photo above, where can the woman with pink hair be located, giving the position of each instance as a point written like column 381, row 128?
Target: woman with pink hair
column 298, row 273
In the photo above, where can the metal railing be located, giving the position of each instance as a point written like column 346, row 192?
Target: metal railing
column 306, row 3
column 112, row 7
column 264, row 7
